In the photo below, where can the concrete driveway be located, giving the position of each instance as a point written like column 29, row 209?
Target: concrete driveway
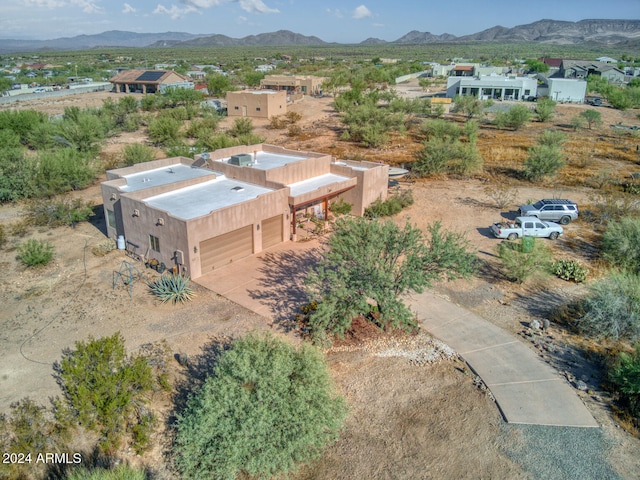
column 527, row 390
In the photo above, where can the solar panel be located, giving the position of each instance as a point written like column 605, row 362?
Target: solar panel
column 151, row 76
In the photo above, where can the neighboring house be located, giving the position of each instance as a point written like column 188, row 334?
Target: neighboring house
column 584, row 68
column 613, row 75
column 148, row 81
column 265, row 68
column 293, row 84
column 571, row 90
column 493, row 87
column 462, row 71
column 606, row 60
column 196, row 216
column 256, row 103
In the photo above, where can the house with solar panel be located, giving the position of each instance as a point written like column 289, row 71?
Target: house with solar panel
column 198, row 215
column 149, row 81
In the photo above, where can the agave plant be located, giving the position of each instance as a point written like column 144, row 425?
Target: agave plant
column 172, row 288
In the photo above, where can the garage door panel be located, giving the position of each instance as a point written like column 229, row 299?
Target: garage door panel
column 272, row 231
column 223, row 249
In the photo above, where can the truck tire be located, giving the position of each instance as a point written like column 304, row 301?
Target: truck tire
column 565, row 220
column 512, row 236
column 553, row 235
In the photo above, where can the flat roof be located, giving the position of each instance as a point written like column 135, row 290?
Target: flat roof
column 269, row 160
column 198, row 200
column 162, row 176
column 315, row 183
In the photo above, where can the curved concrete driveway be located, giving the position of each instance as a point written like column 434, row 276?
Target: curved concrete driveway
column 526, row 389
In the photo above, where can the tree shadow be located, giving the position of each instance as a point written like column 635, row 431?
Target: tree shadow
column 195, row 372
column 282, row 283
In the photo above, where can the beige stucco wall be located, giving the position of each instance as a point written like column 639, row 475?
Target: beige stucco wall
column 258, row 104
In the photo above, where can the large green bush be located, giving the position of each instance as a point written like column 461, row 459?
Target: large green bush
column 138, row 153
column 522, row 259
column 104, row 390
column 611, row 310
column 543, row 161
column 624, row 380
column 267, row 407
column 164, row 130
column 392, row 205
column 515, row 118
column 621, row 243
column 61, row 170
column 56, row 213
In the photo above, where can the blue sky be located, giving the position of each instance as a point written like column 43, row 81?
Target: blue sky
column 341, row 21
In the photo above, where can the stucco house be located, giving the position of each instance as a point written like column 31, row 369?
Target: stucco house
column 198, row 215
column 256, row 103
column 148, row 81
column 293, row 84
column 493, row 87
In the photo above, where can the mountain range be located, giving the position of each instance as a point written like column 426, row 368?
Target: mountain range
column 596, row 32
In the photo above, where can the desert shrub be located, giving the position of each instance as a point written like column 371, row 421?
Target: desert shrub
column 16, row 174
column 83, row 130
column 56, row 213
column 624, row 380
column 515, row 118
column 35, row 253
column 545, row 109
column 249, row 139
column 570, row 270
column 503, row 194
column 164, row 130
column 591, row 117
column 214, row 141
column 621, row 243
column 104, row 248
column 608, row 205
column 203, row 127
column 104, row 389
column 267, row 407
column 278, row 122
column 172, row 288
column 61, row 170
column 120, row 472
column 178, row 113
column 20, row 228
column 138, row 153
column 21, row 122
column 446, row 155
column 241, row 126
column 293, row 130
column 522, row 259
column 29, row 429
column 392, row 205
column 293, row 117
column 439, row 128
column 341, row 207
column 3, row 236
column 577, row 122
column 612, row 308
column 543, row 161
column 181, row 149
column 551, row 138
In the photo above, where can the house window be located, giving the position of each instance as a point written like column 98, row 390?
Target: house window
column 257, row 109
column 154, row 243
column 527, row 92
column 236, row 108
column 111, row 218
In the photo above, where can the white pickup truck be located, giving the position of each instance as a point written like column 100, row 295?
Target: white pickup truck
column 526, row 227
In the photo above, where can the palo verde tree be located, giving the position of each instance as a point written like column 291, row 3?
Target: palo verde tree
column 371, row 264
column 268, row 406
column 591, row 117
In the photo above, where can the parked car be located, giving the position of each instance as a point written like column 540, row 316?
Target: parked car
column 526, row 227
column 596, row 102
column 39, row 90
column 555, row 210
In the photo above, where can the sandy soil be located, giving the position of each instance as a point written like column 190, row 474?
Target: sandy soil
column 407, row 420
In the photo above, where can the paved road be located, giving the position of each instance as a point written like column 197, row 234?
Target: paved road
column 527, row 390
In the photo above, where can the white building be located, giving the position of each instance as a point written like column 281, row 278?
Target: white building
column 493, row 87
column 571, row 90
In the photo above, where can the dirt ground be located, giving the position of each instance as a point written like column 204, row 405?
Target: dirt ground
column 407, row 420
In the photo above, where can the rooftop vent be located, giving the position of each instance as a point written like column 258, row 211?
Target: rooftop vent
column 237, row 189
column 241, row 160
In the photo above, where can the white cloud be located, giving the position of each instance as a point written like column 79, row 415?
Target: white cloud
column 87, row 6
column 128, row 9
column 378, row 25
column 174, row 12
column 44, row 3
column 335, row 13
column 361, row 12
column 251, row 6
column 241, row 19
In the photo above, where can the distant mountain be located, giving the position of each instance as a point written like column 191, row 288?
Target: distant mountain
column 607, row 32
column 425, row 37
column 603, row 32
column 281, row 37
column 113, row 38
